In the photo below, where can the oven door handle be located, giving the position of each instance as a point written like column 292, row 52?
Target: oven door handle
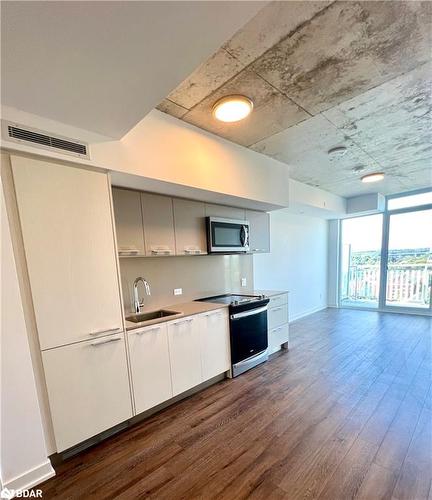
column 252, row 312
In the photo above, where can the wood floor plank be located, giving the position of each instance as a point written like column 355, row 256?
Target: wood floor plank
column 345, row 413
column 378, row 484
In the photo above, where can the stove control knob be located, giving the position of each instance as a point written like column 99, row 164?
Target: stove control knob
column 236, row 302
column 262, row 296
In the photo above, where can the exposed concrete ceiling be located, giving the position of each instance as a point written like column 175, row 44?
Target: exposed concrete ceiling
column 324, row 74
column 102, row 66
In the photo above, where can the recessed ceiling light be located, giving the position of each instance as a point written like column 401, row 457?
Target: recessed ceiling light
column 232, row 108
column 359, row 168
column 375, row 177
column 337, row 151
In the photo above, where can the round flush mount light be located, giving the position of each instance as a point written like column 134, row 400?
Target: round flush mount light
column 375, row 177
column 232, row 108
column 337, row 151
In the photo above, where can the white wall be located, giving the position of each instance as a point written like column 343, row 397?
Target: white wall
column 23, row 454
column 297, row 262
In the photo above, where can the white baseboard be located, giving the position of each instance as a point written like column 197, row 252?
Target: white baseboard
column 31, row 477
column 307, row 313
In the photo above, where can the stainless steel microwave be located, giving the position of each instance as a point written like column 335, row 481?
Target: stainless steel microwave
column 227, row 235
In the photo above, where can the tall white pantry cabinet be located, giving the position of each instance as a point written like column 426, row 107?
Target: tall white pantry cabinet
column 65, row 216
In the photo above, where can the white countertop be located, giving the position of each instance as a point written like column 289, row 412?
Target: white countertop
column 190, row 308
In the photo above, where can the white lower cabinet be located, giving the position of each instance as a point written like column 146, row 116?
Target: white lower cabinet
column 150, row 366
column 185, row 353
column 277, row 318
column 88, row 388
column 215, row 348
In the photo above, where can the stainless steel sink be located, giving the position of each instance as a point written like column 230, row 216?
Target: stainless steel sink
column 139, row 318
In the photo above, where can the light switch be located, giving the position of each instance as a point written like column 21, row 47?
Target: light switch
column 178, row 291
column 243, row 282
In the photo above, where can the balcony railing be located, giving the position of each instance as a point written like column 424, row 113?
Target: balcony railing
column 406, row 284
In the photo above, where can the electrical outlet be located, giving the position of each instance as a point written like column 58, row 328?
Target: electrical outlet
column 243, row 282
column 178, row 291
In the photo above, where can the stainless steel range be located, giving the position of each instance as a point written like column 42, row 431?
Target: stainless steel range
column 248, row 329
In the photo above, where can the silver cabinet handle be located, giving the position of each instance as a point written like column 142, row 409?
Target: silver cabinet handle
column 184, row 321
column 161, row 252
column 276, row 309
column 110, row 330
column 140, row 332
column 213, row 313
column 107, row 341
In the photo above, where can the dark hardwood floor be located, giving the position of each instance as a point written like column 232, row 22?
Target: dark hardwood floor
column 346, row 413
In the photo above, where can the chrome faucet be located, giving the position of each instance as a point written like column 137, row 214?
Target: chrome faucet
column 137, row 302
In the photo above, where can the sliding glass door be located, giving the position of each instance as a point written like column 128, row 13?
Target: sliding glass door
column 361, row 261
column 409, row 260
column 386, row 259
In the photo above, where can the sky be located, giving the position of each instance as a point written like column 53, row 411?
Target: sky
column 410, row 230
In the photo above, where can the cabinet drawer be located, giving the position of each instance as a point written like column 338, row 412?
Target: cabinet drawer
column 277, row 316
column 278, row 300
column 278, row 336
column 88, row 388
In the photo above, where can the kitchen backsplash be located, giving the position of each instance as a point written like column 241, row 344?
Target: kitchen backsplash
column 197, row 276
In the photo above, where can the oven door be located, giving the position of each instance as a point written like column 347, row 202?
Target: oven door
column 227, row 235
column 248, row 334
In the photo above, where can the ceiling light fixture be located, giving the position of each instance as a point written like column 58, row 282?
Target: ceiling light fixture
column 232, row 108
column 375, row 177
column 337, row 151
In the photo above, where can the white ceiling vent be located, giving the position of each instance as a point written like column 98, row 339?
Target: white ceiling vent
column 40, row 139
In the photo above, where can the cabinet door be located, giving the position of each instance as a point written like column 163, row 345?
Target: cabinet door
column 226, row 212
column 88, row 388
column 185, row 354
column 259, row 231
column 158, row 224
column 277, row 337
column 150, row 366
column 190, row 228
column 128, row 222
column 68, row 234
column 215, row 344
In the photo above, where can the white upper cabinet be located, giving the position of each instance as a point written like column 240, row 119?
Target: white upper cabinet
column 259, row 224
column 88, row 388
column 158, row 224
column 185, row 353
column 225, row 212
column 190, row 228
column 215, row 348
column 68, row 234
column 128, row 220
column 150, row 366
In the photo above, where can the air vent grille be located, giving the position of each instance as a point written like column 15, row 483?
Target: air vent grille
column 19, row 133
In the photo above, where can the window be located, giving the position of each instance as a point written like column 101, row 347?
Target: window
column 413, row 200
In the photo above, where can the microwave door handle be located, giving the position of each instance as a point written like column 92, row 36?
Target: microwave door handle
column 243, row 236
